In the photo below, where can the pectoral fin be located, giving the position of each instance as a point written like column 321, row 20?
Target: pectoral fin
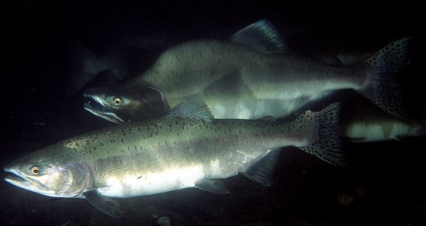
column 106, row 205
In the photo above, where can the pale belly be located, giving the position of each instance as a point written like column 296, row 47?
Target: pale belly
column 256, row 109
column 173, row 178
column 132, row 184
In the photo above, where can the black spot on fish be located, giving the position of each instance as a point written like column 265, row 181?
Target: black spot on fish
column 139, row 177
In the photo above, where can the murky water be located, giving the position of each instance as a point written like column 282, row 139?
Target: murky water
column 383, row 185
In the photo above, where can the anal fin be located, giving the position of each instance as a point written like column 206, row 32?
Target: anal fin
column 262, row 170
column 214, row 186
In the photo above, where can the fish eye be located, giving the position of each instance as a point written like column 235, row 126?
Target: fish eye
column 117, row 101
column 35, row 170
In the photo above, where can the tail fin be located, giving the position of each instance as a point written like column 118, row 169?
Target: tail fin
column 325, row 143
column 383, row 89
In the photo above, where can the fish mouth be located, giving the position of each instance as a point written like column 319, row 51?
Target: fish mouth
column 15, row 179
column 19, row 180
column 97, row 108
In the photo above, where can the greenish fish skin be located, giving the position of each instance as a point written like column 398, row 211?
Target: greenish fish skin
column 169, row 153
column 250, row 77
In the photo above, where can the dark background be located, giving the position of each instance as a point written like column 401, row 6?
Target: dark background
column 385, row 181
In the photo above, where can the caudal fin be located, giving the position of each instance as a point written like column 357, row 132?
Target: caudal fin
column 325, row 142
column 383, row 88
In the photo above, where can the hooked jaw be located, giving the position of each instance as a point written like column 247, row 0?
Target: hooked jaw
column 99, row 108
column 22, row 181
column 16, row 180
column 26, row 182
column 55, row 171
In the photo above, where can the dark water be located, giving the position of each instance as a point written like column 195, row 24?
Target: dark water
column 384, row 185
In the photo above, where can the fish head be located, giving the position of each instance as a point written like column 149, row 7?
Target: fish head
column 125, row 104
column 55, row 171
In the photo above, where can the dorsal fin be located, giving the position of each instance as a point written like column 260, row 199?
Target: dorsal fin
column 261, row 36
column 193, row 107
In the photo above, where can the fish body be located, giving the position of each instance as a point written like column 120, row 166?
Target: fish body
column 367, row 123
column 171, row 153
column 248, row 78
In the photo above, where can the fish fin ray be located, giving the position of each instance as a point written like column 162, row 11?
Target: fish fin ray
column 261, row 36
column 214, row 186
column 106, row 205
column 383, row 88
column 193, row 107
column 261, row 171
column 325, row 142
